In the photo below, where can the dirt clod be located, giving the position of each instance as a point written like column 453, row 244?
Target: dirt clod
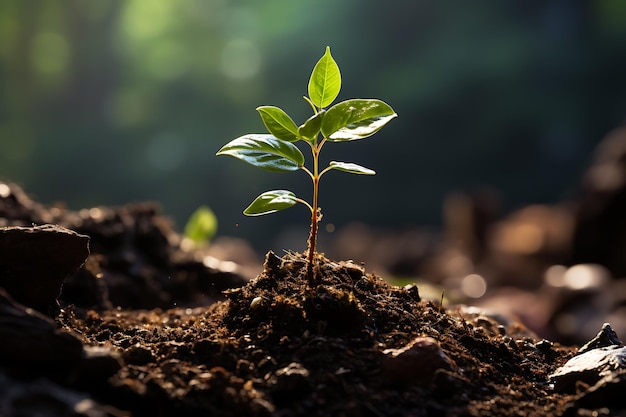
column 35, row 260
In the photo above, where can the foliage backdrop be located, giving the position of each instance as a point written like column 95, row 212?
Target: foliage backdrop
column 111, row 101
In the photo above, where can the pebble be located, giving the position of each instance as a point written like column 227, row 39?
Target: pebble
column 598, row 360
column 605, row 337
column 414, row 364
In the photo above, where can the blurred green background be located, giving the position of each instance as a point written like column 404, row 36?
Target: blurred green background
column 105, row 102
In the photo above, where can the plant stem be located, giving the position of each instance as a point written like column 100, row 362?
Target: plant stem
column 313, row 238
column 315, row 214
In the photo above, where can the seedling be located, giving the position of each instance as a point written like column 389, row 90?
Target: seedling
column 201, row 226
column 345, row 121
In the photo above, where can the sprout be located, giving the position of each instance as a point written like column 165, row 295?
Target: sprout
column 345, row 121
column 201, row 226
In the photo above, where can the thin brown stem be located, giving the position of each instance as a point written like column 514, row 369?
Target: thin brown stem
column 311, row 251
column 315, row 216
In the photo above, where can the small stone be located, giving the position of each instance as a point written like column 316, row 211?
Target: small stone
column 589, row 368
column 256, row 303
column 597, row 360
column 415, row 363
column 605, row 338
column 609, row 391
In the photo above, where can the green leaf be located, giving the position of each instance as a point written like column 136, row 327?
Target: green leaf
column 351, row 168
column 271, row 202
column 325, row 81
column 201, row 226
column 278, row 123
column 356, row 119
column 265, row 151
column 310, row 129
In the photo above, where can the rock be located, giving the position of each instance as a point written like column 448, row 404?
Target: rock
column 34, row 261
column 589, row 368
column 605, row 338
column 609, row 391
column 415, row 363
column 601, row 359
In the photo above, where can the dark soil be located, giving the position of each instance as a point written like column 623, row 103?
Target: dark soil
column 189, row 339
column 277, row 347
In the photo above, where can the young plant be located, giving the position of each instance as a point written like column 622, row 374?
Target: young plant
column 201, row 226
column 345, row 121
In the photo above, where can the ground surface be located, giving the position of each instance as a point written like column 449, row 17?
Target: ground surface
column 277, row 347
column 192, row 339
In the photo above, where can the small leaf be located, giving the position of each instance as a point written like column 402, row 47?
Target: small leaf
column 325, row 81
column 351, row 168
column 265, row 151
column 201, row 226
column 271, row 202
column 356, row 119
column 310, row 129
column 278, row 123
